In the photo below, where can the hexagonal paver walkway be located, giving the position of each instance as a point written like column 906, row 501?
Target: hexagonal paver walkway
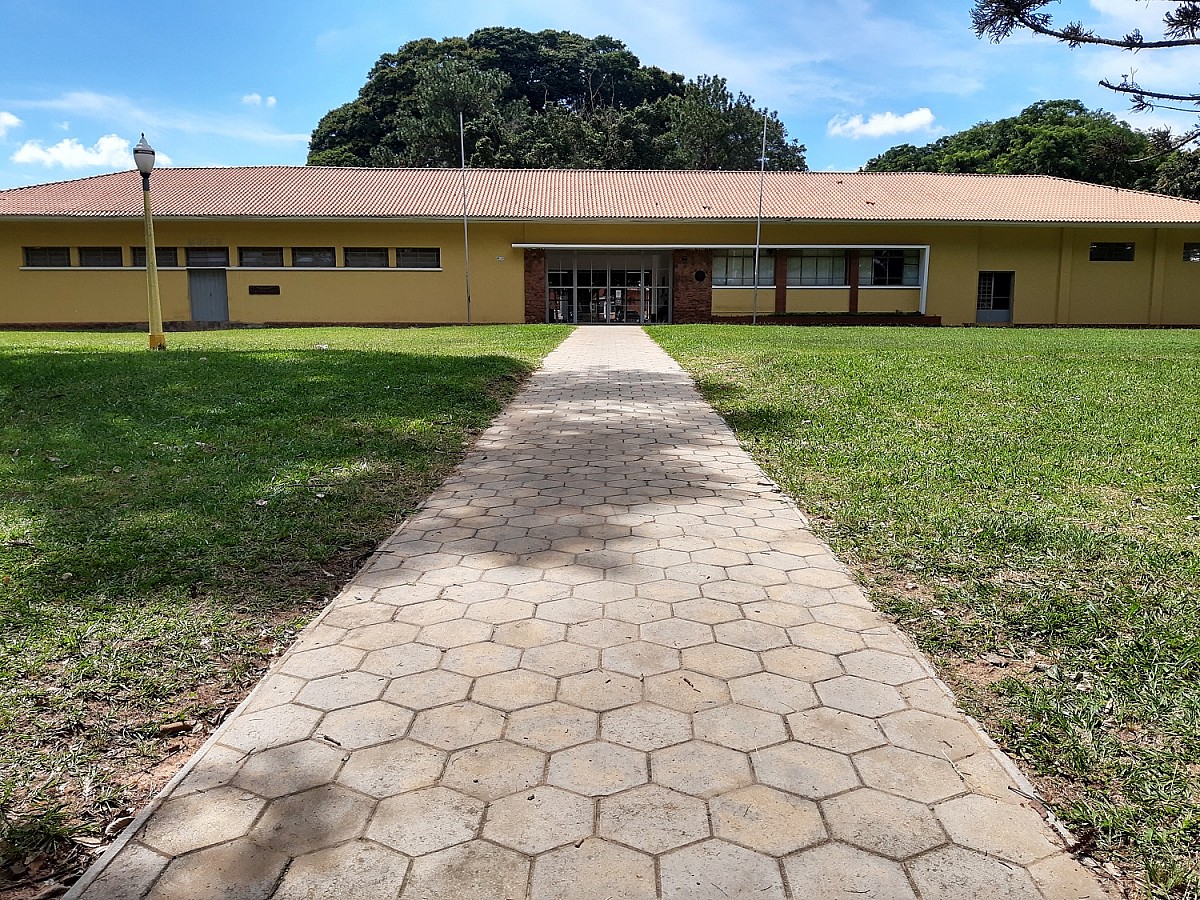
column 606, row 659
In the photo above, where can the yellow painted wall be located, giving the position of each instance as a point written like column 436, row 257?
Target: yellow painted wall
column 306, row 295
column 820, row 300
column 889, row 299
column 1032, row 255
column 1180, row 300
column 740, row 301
column 1050, row 287
column 1110, row 293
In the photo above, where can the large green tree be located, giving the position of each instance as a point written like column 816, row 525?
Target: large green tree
column 551, row 99
column 1053, row 137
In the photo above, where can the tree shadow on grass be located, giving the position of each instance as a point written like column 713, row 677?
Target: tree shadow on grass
column 123, row 474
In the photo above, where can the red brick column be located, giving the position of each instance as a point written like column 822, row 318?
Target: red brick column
column 692, row 286
column 535, row 286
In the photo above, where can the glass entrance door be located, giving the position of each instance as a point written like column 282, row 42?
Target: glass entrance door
column 608, row 288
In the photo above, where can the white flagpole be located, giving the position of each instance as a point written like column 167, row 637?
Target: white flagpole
column 762, row 169
column 462, row 144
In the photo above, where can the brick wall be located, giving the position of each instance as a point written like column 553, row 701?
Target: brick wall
column 692, row 296
column 535, row 285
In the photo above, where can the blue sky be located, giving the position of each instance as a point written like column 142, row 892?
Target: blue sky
column 225, row 83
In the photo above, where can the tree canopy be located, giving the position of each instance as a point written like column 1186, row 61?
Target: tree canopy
column 998, row 19
column 551, row 99
column 1056, row 137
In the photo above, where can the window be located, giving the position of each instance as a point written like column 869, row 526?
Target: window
column 207, row 257
column 164, row 257
column 314, row 257
column 1191, row 253
column 1111, row 252
column 366, row 258
column 101, row 256
column 817, row 267
column 888, row 268
column 264, row 289
column 418, row 258
column 260, row 256
column 47, row 257
column 735, row 268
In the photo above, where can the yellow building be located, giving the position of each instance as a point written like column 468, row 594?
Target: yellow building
column 332, row 245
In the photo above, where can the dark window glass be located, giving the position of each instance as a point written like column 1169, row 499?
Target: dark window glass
column 1191, row 252
column 316, row 257
column 260, row 256
column 207, row 257
column 100, row 256
column 48, row 257
column 165, row 257
column 267, row 289
column 418, row 258
column 890, row 267
column 1111, row 252
column 995, row 291
column 366, row 257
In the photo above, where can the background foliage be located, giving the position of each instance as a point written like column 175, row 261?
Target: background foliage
column 1057, row 137
column 553, row 99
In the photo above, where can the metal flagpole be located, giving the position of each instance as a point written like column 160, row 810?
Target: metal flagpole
column 762, row 169
column 462, row 144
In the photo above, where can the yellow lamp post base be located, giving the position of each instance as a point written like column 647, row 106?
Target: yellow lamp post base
column 158, row 341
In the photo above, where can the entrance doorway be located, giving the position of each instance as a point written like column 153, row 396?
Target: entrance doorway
column 995, row 299
column 209, row 295
column 589, row 287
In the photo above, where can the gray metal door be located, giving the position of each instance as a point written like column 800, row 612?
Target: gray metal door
column 209, row 295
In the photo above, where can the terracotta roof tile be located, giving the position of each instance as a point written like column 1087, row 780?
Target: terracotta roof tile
column 305, row 192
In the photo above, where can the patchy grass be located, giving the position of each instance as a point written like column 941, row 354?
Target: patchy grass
column 1027, row 503
column 169, row 520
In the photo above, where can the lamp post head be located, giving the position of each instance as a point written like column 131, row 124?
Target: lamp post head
column 143, row 156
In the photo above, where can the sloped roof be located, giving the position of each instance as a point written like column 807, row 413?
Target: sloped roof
column 243, row 192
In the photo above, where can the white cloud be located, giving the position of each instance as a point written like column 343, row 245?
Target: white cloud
column 257, row 99
column 65, row 126
column 127, row 114
column 881, row 124
column 7, row 121
column 1146, row 16
column 111, row 151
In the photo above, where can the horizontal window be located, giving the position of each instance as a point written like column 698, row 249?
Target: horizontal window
column 260, row 256
column 418, row 258
column 264, row 289
column 366, row 258
column 101, row 256
column 887, row 267
column 1109, row 251
column 817, row 267
column 314, row 257
column 164, row 257
column 48, row 257
column 1191, row 252
column 207, row 257
column 735, row 268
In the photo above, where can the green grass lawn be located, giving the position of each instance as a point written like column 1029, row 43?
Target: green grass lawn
column 1027, row 503
column 168, row 520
